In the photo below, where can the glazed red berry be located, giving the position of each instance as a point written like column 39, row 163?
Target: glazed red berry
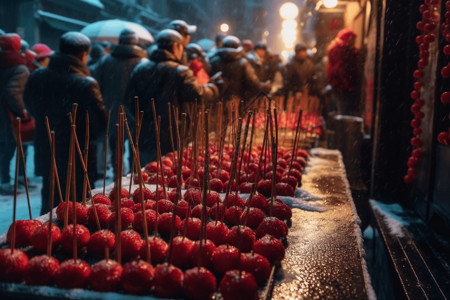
column 208, row 248
column 126, row 218
column 41, row 270
column 217, row 211
column 181, row 249
column 99, row 241
column 216, row 185
column 165, row 224
column 100, row 198
column 73, row 274
column 271, row 248
column 40, row 237
column 245, row 240
column 164, row 206
column 81, row 212
column 191, row 228
column 131, row 243
column 123, row 194
column 272, row 226
column 137, row 277
column 256, row 264
column 199, row 283
column 13, row 265
column 252, row 217
column 232, row 215
column 82, row 235
column 237, row 285
column 193, row 196
column 137, row 194
column 150, row 216
column 103, row 214
column 24, row 230
column 168, row 281
column 105, row 276
column 233, row 200
column 281, row 211
column 217, row 232
column 225, row 258
column 257, row 200
column 159, row 250
column 212, row 198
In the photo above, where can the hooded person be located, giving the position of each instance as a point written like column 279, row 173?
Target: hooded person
column 164, row 79
column 43, row 53
column 240, row 79
column 52, row 92
column 113, row 72
column 13, row 77
column 343, row 72
column 185, row 30
column 198, row 62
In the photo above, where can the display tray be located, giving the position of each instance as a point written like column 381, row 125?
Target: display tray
column 324, row 253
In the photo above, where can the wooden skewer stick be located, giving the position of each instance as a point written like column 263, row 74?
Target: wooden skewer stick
column 158, row 146
column 24, row 167
column 170, row 127
column 74, row 215
column 243, row 148
column 204, row 192
column 52, row 197
column 136, row 114
column 86, row 152
column 136, row 145
column 294, row 146
column 16, row 178
column 58, row 185
column 83, row 165
column 69, row 174
column 105, row 158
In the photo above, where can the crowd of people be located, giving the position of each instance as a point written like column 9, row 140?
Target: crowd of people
column 40, row 83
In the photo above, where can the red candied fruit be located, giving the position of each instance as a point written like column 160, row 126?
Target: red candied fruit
column 137, row 277
column 81, row 212
column 40, row 237
column 208, row 248
column 164, row 206
column 252, row 217
column 159, row 250
column 105, row 276
column 234, row 200
column 272, row 226
column 232, row 215
column 100, row 198
column 165, row 224
column 199, row 283
column 258, row 201
column 82, row 235
column 137, row 194
column 126, row 218
column 271, row 248
column 150, row 216
column 246, row 238
column 256, row 264
column 168, row 281
column 212, row 198
column 237, row 285
column 123, row 194
column 131, row 243
column 193, row 196
column 181, row 248
column 225, row 258
column 191, row 228
column 217, row 232
column 216, row 185
column 13, row 265
column 73, row 274
column 99, row 241
column 24, row 230
column 41, row 270
column 103, row 214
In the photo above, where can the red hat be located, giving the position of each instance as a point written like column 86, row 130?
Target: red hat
column 10, row 41
column 42, row 50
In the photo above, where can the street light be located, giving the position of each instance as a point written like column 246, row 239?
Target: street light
column 224, row 27
column 288, row 11
column 330, row 3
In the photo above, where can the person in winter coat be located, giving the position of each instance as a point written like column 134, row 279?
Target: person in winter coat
column 262, row 62
column 185, row 30
column 52, row 92
column 240, row 79
column 198, row 62
column 343, row 72
column 300, row 71
column 164, row 79
column 13, row 77
column 43, row 53
column 113, row 72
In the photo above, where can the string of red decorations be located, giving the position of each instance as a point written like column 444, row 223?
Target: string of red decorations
column 444, row 136
column 427, row 26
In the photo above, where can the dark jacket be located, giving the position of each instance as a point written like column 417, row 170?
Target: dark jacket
column 240, row 79
column 265, row 70
column 13, row 77
column 299, row 74
column 51, row 92
column 164, row 79
column 113, row 72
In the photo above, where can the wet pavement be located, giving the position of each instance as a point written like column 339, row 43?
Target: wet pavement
column 324, row 254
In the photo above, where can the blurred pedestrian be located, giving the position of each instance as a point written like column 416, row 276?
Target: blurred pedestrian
column 198, row 62
column 97, row 52
column 344, row 72
column 43, row 53
column 247, row 45
column 113, row 72
column 164, row 79
column 263, row 62
column 52, row 92
column 300, row 75
column 13, row 77
column 186, row 31
column 240, row 79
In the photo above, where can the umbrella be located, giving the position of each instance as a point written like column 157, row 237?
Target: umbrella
column 109, row 30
